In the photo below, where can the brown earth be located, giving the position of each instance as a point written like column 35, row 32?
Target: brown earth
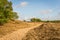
column 19, row 30
column 19, row 34
column 46, row 31
column 12, row 26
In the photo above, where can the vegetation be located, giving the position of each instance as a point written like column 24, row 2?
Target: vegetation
column 35, row 20
column 54, row 21
column 39, row 20
column 6, row 12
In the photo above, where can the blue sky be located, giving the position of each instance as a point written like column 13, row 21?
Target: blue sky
column 43, row 9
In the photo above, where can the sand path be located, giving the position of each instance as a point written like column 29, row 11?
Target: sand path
column 18, row 35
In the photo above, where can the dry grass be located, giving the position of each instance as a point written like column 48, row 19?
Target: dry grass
column 10, row 27
column 46, row 31
column 23, row 27
column 19, row 34
column 13, row 26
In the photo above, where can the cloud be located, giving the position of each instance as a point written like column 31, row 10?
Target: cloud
column 58, row 16
column 22, row 4
column 9, row 0
column 46, row 11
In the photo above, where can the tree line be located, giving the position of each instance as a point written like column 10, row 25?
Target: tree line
column 39, row 20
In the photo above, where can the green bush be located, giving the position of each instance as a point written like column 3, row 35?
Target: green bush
column 35, row 20
column 6, row 12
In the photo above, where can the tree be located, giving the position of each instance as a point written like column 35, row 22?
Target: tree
column 35, row 20
column 6, row 11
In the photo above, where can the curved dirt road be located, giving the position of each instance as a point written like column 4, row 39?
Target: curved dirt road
column 18, row 35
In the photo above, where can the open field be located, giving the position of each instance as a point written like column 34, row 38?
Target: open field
column 46, row 31
column 14, row 26
column 19, row 34
column 18, row 29
column 29, row 19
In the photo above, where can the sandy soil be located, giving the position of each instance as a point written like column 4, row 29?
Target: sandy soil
column 46, row 31
column 18, row 35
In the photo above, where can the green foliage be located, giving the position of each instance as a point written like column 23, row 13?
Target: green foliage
column 24, row 20
column 53, row 21
column 6, row 11
column 35, row 20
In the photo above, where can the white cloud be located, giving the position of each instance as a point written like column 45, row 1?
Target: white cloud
column 22, row 4
column 9, row 0
column 46, row 11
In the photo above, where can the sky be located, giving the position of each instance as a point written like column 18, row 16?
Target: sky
column 43, row 9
